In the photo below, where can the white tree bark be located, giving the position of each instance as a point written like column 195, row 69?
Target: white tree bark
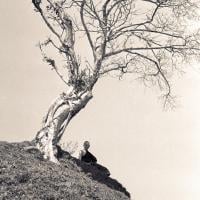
column 63, row 109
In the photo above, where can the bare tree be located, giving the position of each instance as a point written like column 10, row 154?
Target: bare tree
column 145, row 38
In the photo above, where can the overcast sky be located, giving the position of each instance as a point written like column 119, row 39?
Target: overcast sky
column 154, row 154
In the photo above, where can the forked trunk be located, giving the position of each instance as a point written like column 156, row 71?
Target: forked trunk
column 63, row 109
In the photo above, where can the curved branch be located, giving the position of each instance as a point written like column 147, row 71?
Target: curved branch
column 159, row 70
column 85, row 27
column 46, row 21
column 167, row 47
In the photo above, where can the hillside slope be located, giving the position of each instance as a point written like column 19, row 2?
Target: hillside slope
column 25, row 175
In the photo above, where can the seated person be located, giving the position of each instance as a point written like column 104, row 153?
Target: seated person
column 85, row 155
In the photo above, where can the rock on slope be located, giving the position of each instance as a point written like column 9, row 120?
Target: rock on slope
column 25, row 175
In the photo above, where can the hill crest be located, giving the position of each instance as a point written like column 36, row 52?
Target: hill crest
column 25, row 175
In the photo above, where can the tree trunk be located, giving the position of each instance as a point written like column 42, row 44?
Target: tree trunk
column 63, row 109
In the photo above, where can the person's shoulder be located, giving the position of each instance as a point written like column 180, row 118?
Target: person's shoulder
column 81, row 152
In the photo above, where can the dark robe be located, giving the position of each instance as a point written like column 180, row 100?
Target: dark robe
column 89, row 158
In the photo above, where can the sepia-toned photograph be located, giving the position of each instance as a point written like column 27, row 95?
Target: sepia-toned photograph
column 99, row 100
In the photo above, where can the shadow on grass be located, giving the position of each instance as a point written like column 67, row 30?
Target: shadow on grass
column 96, row 172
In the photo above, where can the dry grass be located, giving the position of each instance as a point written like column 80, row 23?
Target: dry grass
column 25, row 175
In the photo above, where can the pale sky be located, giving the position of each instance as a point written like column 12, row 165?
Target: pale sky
column 154, row 154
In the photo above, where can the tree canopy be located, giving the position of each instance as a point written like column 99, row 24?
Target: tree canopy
column 147, row 38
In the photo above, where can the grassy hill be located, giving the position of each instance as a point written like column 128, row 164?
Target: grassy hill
column 25, row 175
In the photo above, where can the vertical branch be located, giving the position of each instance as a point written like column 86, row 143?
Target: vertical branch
column 86, row 29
